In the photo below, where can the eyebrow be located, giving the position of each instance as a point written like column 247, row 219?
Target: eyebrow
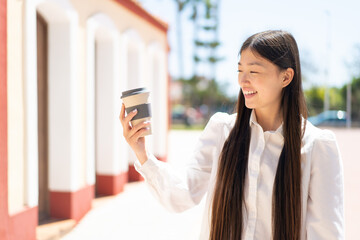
column 253, row 63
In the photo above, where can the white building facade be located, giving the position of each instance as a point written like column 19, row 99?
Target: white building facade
column 67, row 62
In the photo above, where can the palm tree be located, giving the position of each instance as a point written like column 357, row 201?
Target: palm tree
column 180, row 7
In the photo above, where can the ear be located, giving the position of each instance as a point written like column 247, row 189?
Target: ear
column 287, row 76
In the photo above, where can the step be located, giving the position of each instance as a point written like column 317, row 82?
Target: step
column 54, row 229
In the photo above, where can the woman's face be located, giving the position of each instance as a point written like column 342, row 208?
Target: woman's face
column 261, row 81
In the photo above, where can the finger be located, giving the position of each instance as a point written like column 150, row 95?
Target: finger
column 138, row 127
column 139, row 134
column 122, row 112
column 122, row 117
column 133, row 130
column 129, row 117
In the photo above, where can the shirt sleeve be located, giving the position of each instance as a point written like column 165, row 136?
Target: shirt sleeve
column 325, row 215
column 181, row 189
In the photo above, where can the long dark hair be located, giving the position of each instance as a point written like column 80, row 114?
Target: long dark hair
column 280, row 48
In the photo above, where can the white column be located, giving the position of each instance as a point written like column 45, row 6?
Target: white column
column 90, row 101
column 135, row 51
column 16, row 103
column 64, row 124
column 123, row 86
column 161, row 148
column 107, row 104
column 147, row 73
column 134, row 48
column 120, row 146
column 31, row 107
column 141, row 65
column 158, row 73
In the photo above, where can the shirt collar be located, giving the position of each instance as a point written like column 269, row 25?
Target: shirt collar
column 253, row 119
column 253, row 122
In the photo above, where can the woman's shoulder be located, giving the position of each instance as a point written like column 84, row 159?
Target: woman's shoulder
column 322, row 150
column 314, row 134
column 220, row 123
column 222, row 118
column 219, row 127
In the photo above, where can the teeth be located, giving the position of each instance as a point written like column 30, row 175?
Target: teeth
column 250, row 92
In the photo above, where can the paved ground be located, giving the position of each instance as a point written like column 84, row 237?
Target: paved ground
column 135, row 214
column 349, row 144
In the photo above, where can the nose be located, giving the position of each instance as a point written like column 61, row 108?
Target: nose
column 243, row 78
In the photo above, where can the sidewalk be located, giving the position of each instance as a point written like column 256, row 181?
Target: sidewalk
column 348, row 140
column 135, row 214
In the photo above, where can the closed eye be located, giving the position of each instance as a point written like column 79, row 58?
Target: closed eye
column 253, row 72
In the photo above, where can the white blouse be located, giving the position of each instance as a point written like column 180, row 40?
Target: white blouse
column 322, row 179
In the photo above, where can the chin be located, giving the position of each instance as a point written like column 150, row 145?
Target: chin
column 250, row 106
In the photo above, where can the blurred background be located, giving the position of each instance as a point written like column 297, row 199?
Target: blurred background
column 65, row 170
column 205, row 38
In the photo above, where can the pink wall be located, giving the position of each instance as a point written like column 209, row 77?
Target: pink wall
column 4, row 218
column 23, row 224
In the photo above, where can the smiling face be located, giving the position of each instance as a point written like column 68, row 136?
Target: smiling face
column 261, row 82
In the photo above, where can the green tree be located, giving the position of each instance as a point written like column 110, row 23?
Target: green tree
column 199, row 90
column 205, row 20
column 337, row 100
column 315, row 100
column 354, row 67
column 180, row 4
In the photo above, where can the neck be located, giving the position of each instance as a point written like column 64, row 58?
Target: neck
column 269, row 119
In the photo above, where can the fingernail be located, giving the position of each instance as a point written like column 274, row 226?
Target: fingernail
column 135, row 110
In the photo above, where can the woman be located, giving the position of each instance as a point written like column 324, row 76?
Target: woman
column 267, row 172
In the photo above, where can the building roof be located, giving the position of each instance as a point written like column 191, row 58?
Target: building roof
column 135, row 7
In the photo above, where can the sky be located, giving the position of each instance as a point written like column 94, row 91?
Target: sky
column 327, row 33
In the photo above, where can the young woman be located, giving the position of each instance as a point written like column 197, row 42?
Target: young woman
column 267, row 172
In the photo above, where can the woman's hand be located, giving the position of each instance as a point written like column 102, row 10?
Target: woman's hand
column 134, row 135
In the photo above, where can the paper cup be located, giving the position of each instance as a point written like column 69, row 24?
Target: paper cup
column 138, row 98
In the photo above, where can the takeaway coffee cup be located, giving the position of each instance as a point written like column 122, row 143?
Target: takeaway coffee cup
column 138, row 98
